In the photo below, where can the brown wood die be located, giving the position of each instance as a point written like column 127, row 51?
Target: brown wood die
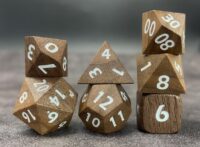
column 159, row 113
column 45, row 57
column 45, row 105
column 105, row 108
column 163, row 32
column 160, row 74
column 105, row 68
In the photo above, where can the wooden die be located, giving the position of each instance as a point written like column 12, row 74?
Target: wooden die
column 45, row 57
column 160, row 74
column 159, row 113
column 105, row 108
column 105, row 68
column 163, row 32
column 45, row 105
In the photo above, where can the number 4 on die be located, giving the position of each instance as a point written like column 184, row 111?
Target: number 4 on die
column 106, row 68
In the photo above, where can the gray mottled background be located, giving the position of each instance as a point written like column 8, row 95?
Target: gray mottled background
column 88, row 22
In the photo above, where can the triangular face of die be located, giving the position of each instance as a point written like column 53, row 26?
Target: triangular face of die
column 167, row 77
column 106, row 68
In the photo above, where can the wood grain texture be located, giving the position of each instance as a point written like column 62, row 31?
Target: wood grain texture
column 159, row 113
column 15, row 133
column 153, row 71
column 105, row 68
column 45, row 104
column 166, row 27
column 45, row 57
column 105, row 108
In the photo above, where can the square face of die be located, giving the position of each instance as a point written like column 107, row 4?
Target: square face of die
column 161, row 113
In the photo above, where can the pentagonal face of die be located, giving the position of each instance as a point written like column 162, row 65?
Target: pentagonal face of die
column 92, row 120
column 169, row 38
column 160, row 113
column 124, row 96
column 117, row 119
column 105, row 113
column 102, row 99
column 45, row 57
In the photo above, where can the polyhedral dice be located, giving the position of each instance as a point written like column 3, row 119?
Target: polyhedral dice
column 105, row 108
column 163, row 32
column 105, row 68
column 159, row 113
column 45, row 105
column 45, row 57
column 160, row 74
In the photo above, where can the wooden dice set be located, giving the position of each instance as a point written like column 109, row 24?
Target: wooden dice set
column 159, row 72
column 105, row 106
column 46, row 102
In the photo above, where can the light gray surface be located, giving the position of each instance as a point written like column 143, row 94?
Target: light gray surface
column 15, row 133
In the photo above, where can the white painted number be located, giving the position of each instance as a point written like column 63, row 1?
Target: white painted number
column 41, row 86
column 112, row 120
column 71, row 93
column 121, row 73
column 103, row 105
column 84, row 99
column 60, row 94
column 47, row 66
column 106, row 53
column 28, row 116
column 170, row 19
column 101, row 93
column 146, row 66
column 23, row 97
column 95, row 121
column 93, row 73
column 164, row 42
column 178, row 68
column 51, row 47
column 62, row 124
column 161, row 116
column 54, row 99
column 123, row 95
column 64, row 63
column 31, row 47
column 149, row 27
column 163, row 82
column 52, row 116
column 108, row 102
